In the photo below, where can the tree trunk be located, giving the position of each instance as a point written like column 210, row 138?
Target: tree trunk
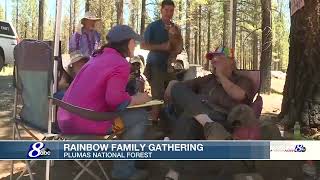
column 70, row 18
column 143, row 16
column 74, row 16
column 226, row 23
column 195, row 55
column 234, row 24
column 196, row 31
column 87, row 5
column 119, row 5
column 180, row 10
column 25, row 29
column 255, row 51
column 240, row 49
column 40, row 23
column 112, row 16
column 100, row 9
column 200, row 37
column 209, row 30
column 188, row 30
column 132, row 10
column 301, row 101
column 17, row 16
column 266, row 53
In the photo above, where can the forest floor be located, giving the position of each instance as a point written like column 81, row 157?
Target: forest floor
column 195, row 170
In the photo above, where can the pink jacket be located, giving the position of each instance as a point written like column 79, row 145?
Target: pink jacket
column 100, row 86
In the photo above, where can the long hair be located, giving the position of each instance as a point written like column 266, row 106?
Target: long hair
column 121, row 47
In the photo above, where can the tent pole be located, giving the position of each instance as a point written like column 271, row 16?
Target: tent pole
column 55, row 74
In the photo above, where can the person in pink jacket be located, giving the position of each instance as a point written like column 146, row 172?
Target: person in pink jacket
column 100, row 85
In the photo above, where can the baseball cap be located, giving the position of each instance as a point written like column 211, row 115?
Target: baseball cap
column 122, row 32
column 220, row 51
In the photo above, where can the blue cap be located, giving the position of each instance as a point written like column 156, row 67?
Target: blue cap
column 122, row 32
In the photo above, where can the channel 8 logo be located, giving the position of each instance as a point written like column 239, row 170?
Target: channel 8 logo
column 38, row 149
column 300, row 148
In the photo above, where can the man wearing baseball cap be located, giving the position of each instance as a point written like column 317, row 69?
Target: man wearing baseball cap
column 86, row 38
column 204, row 103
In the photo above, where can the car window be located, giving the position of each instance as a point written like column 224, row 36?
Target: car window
column 6, row 29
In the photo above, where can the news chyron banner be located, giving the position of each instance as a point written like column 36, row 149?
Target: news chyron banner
column 160, row 150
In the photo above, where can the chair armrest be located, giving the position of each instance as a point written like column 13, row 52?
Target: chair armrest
column 85, row 113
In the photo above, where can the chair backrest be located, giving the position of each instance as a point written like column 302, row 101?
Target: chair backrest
column 33, row 76
column 254, row 76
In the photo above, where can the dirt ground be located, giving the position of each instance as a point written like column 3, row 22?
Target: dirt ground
column 195, row 170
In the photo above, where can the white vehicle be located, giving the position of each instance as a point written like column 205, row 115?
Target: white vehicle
column 8, row 40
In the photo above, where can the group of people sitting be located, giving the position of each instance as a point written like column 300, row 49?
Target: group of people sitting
column 103, row 80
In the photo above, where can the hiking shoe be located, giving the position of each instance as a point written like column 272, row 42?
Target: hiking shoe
column 215, row 131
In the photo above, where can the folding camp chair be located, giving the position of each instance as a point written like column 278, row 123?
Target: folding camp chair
column 92, row 115
column 33, row 79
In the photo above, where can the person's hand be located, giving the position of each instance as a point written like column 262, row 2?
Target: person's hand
column 220, row 69
column 132, row 76
column 167, row 93
column 142, row 98
column 165, row 46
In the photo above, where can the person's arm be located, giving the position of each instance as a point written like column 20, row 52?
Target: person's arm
column 116, row 94
column 194, row 84
column 98, row 40
column 64, row 81
column 147, row 45
column 180, row 45
column 155, row 47
column 74, row 44
column 140, row 98
column 233, row 90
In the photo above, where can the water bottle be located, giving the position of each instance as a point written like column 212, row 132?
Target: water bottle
column 296, row 131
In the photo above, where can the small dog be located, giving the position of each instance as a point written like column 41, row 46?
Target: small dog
column 247, row 126
column 244, row 123
column 176, row 44
column 242, row 115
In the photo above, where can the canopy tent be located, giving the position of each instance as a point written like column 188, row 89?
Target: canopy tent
column 56, row 56
column 55, row 71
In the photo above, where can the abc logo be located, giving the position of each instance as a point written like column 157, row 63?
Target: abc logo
column 300, row 148
column 38, row 149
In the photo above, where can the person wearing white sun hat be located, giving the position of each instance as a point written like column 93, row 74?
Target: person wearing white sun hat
column 86, row 38
column 77, row 60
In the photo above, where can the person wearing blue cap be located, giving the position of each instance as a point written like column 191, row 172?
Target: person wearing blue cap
column 100, row 86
